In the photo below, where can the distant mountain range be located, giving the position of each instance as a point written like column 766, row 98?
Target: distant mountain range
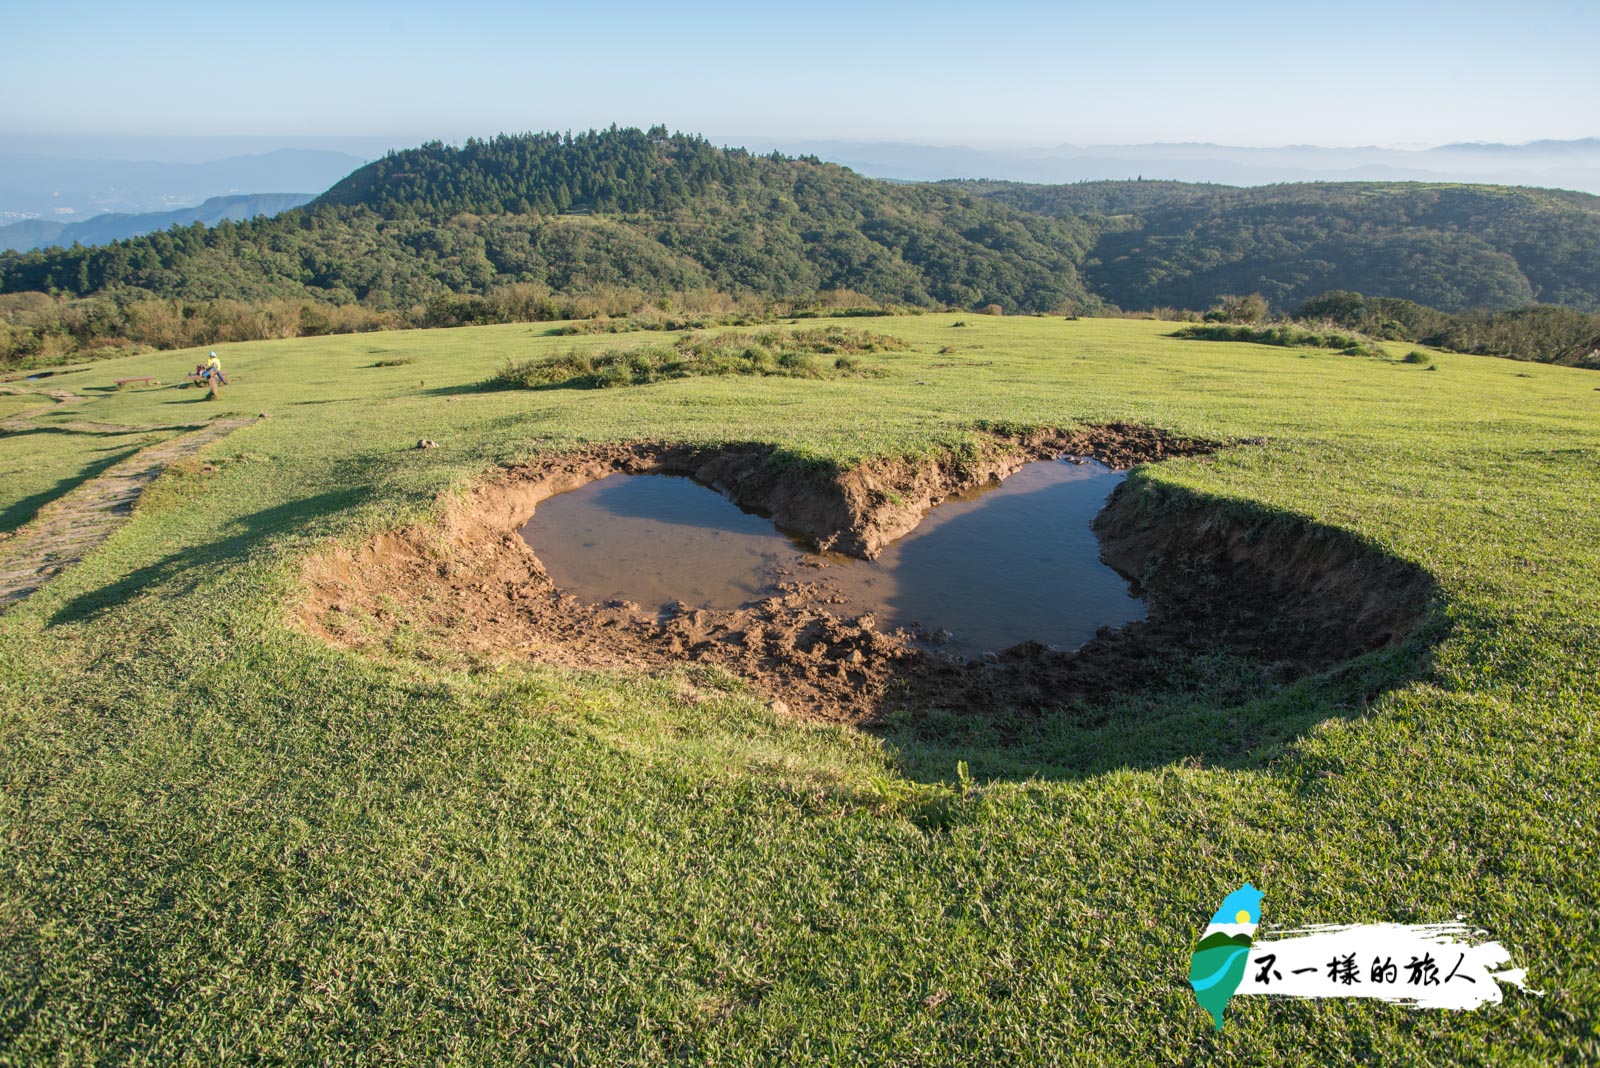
column 114, row 226
column 660, row 214
column 61, row 189
column 54, row 180
column 1548, row 164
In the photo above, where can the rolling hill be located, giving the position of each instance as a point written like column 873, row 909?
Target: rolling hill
column 1448, row 246
column 664, row 214
column 616, row 207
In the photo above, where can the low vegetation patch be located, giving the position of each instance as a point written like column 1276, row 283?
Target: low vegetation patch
column 1287, row 335
column 629, row 324
column 824, row 352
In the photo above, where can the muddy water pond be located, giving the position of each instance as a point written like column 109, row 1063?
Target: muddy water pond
column 1012, row 562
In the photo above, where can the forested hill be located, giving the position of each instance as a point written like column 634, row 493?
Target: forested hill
column 614, row 171
column 671, row 213
column 1448, row 246
column 615, row 207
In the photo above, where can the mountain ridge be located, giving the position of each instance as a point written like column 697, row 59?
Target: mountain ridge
column 1573, row 164
column 116, row 226
column 74, row 189
column 661, row 213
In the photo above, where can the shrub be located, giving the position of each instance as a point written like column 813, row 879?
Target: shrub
column 1234, row 309
column 786, row 353
column 1286, row 335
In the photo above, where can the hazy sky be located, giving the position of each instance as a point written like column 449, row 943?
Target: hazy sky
column 1232, row 71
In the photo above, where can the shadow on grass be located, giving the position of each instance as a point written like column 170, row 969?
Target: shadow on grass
column 1200, row 711
column 463, row 388
column 79, row 430
column 14, row 514
column 179, row 573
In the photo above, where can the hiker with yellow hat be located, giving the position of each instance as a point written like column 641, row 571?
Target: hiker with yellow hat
column 214, row 369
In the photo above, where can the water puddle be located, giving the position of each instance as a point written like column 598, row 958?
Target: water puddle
column 1009, row 563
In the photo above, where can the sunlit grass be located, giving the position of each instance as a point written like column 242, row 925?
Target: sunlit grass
column 221, row 840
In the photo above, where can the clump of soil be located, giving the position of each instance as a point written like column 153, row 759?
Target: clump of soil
column 1245, row 584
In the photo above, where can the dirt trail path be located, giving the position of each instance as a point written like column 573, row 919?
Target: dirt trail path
column 67, row 530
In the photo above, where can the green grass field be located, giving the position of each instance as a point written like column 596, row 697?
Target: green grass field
column 222, row 841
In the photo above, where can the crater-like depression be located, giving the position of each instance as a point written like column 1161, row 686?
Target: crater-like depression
column 990, row 580
column 1006, row 563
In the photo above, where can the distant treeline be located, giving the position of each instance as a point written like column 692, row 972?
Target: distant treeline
column 38, row 330
column 1447, row 246
column 1544, row 333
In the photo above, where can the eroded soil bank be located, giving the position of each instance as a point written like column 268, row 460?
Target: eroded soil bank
column 1272, row 587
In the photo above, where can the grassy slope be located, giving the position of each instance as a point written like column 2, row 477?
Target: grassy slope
column 221, row 839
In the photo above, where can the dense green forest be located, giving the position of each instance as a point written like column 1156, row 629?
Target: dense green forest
column 1452, row 247
column 616, row 207
column 544, row 226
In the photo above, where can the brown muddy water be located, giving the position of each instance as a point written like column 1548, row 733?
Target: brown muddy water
column 1009, row 563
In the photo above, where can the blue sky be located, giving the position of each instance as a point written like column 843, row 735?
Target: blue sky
column 1248, row 73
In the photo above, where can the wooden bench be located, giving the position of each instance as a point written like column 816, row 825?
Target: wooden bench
column 148, row 380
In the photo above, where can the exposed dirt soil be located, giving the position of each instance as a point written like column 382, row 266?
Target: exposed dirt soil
column 1274, row 587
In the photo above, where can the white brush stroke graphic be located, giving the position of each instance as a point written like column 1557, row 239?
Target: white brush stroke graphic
column 1425, row 966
